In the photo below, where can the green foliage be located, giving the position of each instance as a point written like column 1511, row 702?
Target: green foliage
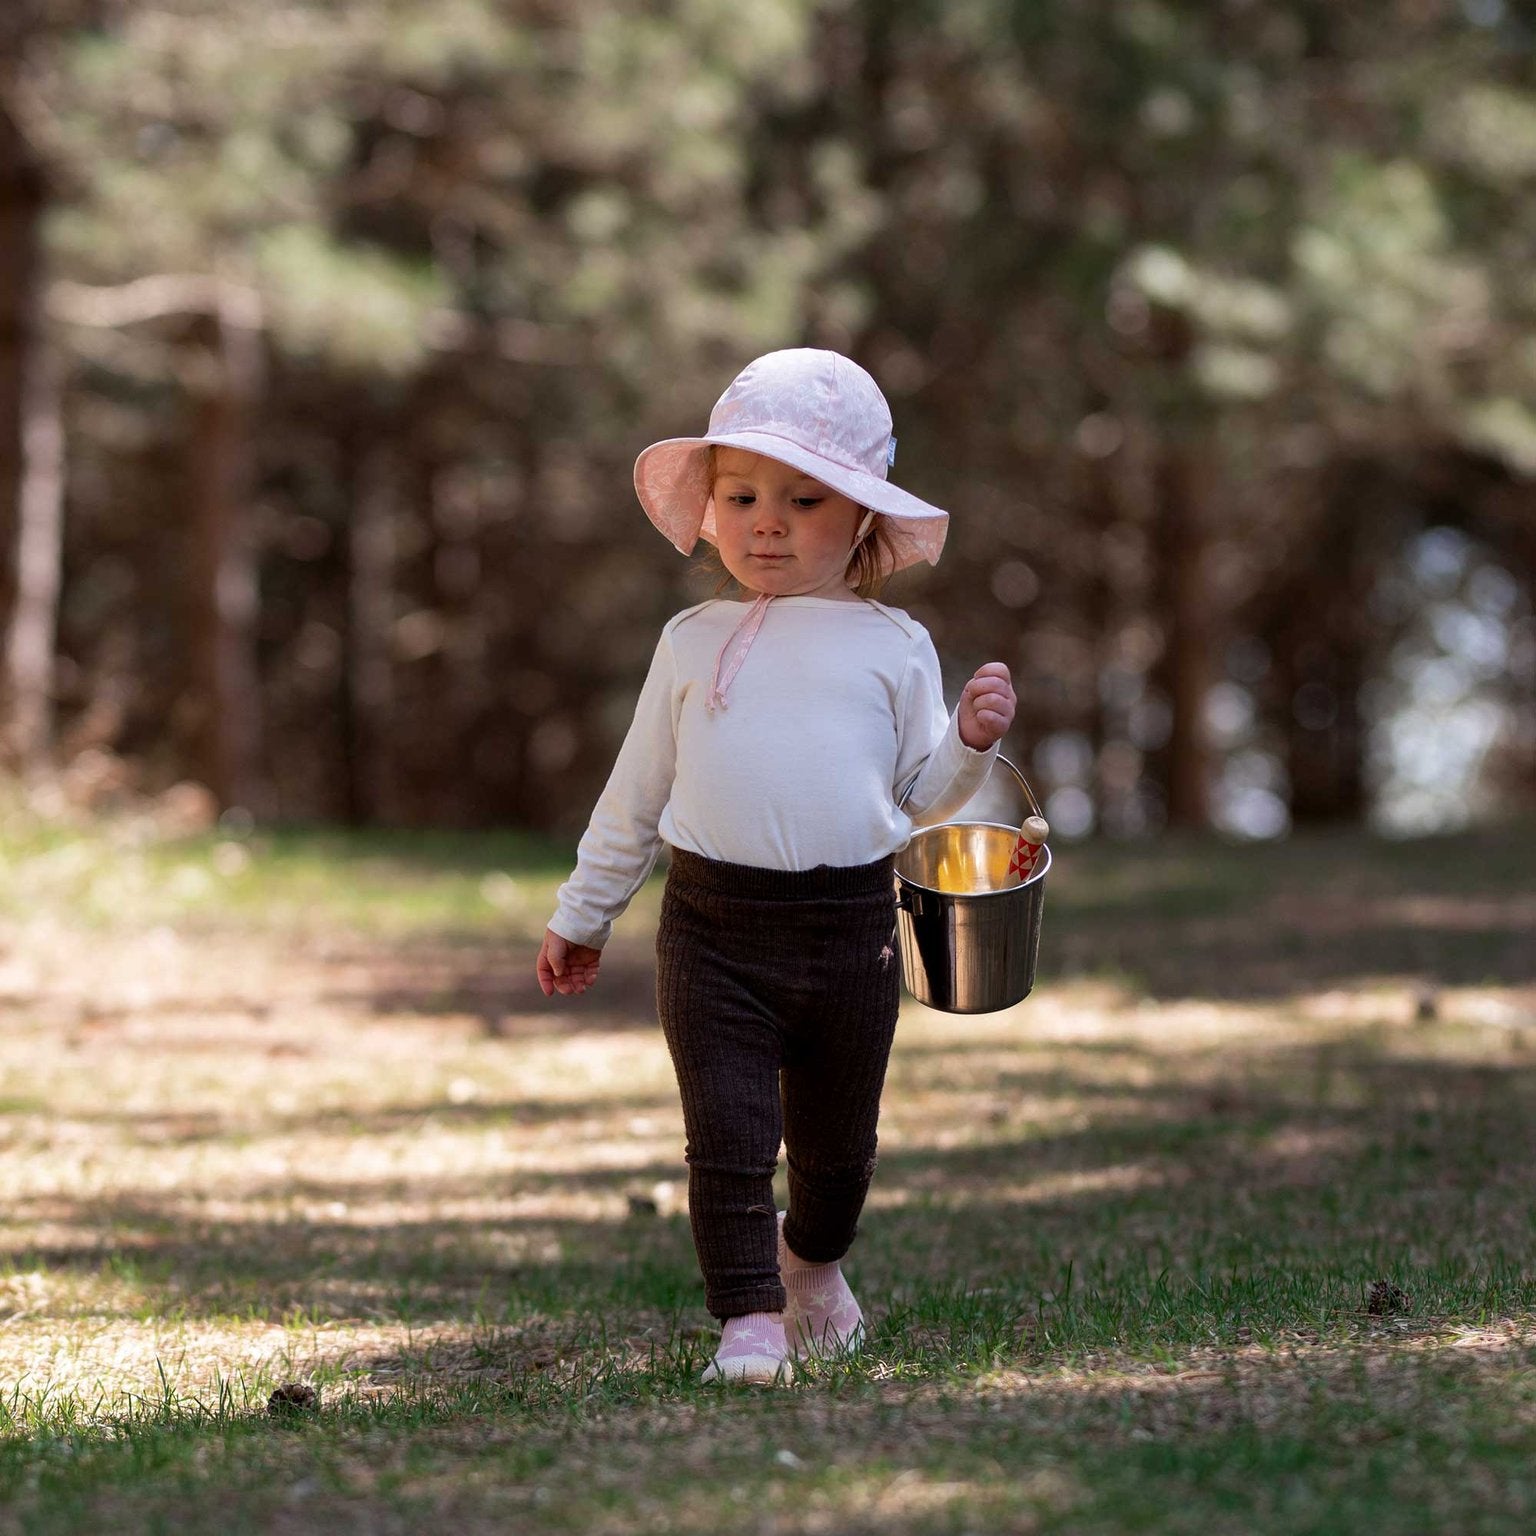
column 609, row 167
column 1063, row 236
column 364, row 309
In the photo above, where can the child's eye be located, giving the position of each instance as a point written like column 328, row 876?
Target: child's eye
column 741, row 499
column 808, row 501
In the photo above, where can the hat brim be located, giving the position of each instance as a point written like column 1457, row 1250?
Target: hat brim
column 672, row 482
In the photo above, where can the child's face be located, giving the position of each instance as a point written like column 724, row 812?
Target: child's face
column 779, row 531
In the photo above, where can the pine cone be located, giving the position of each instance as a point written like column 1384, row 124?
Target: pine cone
column 293, row 1397
column 1385, row 1298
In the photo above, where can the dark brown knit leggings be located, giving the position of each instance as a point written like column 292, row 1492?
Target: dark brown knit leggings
column 778, row 993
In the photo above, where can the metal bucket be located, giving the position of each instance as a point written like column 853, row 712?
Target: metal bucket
column 971, row 950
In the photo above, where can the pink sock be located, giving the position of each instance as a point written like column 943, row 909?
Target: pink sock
column 821, row 1315
column 752, row 1348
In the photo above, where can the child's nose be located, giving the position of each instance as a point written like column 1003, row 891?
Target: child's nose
column 770, row 518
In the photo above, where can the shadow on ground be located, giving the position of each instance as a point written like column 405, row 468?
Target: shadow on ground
column 1173, row 918
column 1320, row 1159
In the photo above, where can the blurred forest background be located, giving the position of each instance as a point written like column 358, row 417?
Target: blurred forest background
column 329, row 331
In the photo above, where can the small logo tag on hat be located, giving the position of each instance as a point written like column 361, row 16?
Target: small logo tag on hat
column 890, row 452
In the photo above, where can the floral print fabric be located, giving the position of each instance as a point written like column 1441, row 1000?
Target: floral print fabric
column 816, row 411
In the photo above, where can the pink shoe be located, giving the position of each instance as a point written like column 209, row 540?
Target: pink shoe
column 821, row 1317
column 752, row 1349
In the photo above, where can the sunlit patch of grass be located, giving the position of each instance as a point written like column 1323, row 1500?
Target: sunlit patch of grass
column 373, row 881
column 306, row 1118
column 1277, row 1440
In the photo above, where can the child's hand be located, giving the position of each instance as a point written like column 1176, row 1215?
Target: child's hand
column 986, row 707
column 565, row 967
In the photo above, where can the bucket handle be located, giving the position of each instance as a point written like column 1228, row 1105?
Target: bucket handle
column 1029, row 794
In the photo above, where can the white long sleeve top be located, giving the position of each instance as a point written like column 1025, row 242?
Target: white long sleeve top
column 837, row 705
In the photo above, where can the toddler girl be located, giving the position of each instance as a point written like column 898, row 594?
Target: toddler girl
column 769, row 748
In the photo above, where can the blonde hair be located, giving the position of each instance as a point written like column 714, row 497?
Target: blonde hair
column 870, row 561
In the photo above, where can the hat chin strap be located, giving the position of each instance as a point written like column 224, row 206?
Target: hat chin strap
column 734, row 652
column 859, row 537
column 739, row 641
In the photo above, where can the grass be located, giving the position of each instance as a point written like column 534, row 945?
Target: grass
column 288, row 1107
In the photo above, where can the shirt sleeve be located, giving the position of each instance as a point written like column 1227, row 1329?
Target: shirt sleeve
column 947, row 772
column 619, row 848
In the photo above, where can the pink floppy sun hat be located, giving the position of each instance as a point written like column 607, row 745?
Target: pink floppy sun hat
column 815, row 411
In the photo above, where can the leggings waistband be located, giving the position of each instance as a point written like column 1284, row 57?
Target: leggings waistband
column 825, row 880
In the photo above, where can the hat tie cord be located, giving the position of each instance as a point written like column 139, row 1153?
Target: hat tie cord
column 737, row 643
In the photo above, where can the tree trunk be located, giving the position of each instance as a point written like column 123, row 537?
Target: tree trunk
column 23, row 193
column 1184, row 672
column 368, row 682
column 1095, row 496
column 223, row 596
column 39, row 568
column 1498, row 509
column 1324, row 650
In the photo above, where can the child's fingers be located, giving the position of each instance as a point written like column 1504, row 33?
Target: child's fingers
column 581, row 966
column 991, row 689
column 564, row 967
column 991, row 683
column 989, row 702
